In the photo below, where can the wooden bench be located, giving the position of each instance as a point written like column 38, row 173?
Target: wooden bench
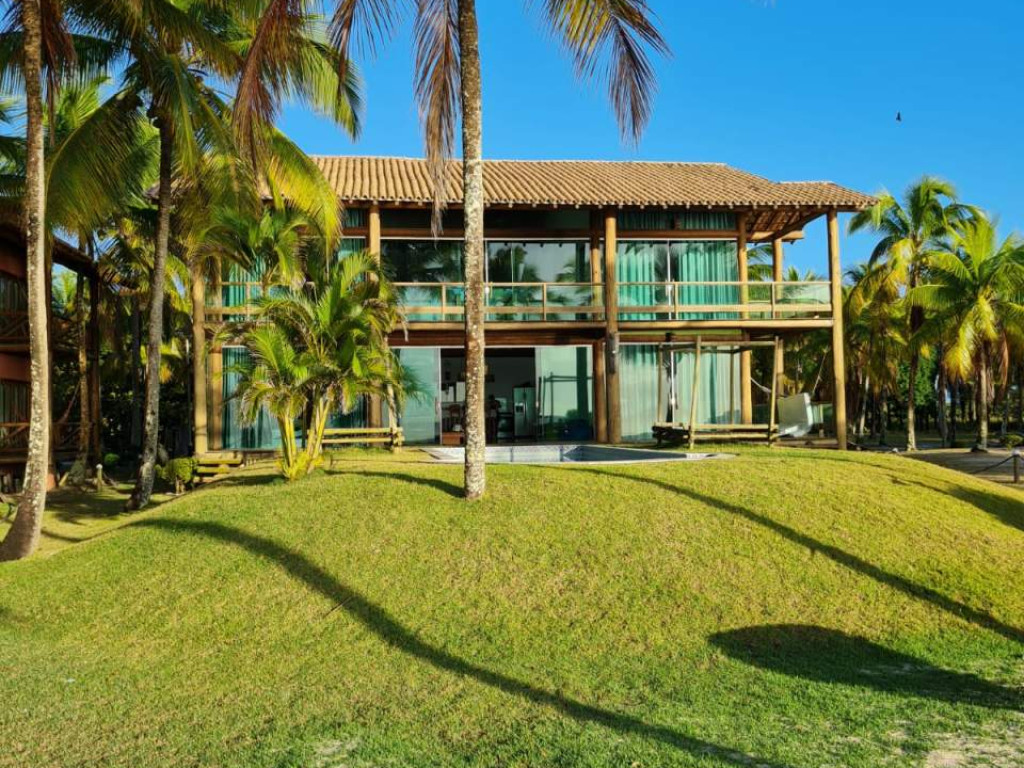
column 212, row 465
column 389, row 436
column 671, row 433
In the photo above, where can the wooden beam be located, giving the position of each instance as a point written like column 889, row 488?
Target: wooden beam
column 778, row 259
column 835, row 275
column 215, row 362
column 694, row 395
column 772, row 400
column 746, row 376
column 611, row 310
column 373, row 236
column 95, row 448
column 600, row 393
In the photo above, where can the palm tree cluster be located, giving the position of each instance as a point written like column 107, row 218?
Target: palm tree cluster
column 149, row 139
column 935, row 315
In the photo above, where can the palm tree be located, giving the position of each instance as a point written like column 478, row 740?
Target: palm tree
column 317, row 349
column 974, row 292
column 609, row 40
column 911, row 228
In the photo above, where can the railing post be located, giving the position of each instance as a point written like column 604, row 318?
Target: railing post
column 544, row 302
column 835, row 277
column 611, row 311
column 444, row 302
column 746, row 363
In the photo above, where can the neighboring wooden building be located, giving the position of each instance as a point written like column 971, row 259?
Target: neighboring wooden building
column 14, row 356
column 591, row 266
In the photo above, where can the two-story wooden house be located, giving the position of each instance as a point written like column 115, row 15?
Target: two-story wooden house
column 592, row 268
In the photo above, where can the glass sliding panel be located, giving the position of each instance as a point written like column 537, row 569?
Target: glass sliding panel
column 644, row 389
column 354, row 419
column 419, row 421
column 264, row 433
column 652, row 220
column 642, row 263
column 426, row 261
column 535, row 262
column 718, row 398
column 565, row 390
column 711, row 261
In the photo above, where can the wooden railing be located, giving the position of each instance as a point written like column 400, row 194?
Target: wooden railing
column 14, row 437
column 731, row 299
column 13, row 325
column 584, row 302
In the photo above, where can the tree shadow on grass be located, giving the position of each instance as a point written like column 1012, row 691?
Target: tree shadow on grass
column 392, row 632
column 854, row 563
column 1009, row 512
column 828, row 656
column 436, row 483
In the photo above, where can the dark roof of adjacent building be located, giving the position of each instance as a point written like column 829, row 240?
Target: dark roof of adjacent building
column 585, row 183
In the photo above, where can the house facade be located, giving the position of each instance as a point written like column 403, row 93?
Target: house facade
column 15, row 358
column 598, row 275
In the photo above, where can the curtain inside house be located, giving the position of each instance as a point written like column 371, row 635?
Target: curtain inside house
column 639, row 374
column 263, row 434
column 718, row 399
column 706, row 261
column 639, row 261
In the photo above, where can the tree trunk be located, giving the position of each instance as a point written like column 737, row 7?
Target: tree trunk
column 883, row 418
column 84, row 399
column 135, row 436
column 915, row 360
column 940, row 404
column 862, row 416
column 473, row 210
column 199, row 428
column 954, row 400
column 1020, row 397
column 23, row 537
column 151, row 427
column 983, row 402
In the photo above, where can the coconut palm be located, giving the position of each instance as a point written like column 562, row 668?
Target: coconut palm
column 317, row 349
column 911, row 228
column 611, row 41
column 974, row 292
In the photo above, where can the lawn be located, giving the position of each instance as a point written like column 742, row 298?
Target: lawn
column 785, row 608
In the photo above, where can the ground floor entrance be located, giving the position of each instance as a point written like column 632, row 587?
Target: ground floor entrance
column 540, row 393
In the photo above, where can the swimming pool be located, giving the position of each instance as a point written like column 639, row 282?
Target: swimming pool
column 570, row 453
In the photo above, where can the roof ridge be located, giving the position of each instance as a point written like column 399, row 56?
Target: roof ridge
column 595, row 161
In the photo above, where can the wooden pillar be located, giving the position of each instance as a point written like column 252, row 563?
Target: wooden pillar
column 835, row 278
column 778, row 257
column 199, row 380
column 374, row 415
column 600, row 393
column 746, row 388
column 95, row 447
column 611, row 311
column 215, row 363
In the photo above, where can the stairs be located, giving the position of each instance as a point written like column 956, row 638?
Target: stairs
column 213, row 465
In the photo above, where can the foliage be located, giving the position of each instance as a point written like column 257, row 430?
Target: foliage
column 316, row 349
column 179, row 472
column 111, row 460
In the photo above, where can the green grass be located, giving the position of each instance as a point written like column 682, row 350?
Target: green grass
column 785, row 608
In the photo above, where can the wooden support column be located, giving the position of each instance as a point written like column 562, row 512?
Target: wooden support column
column 215, row 375
column 95, row 448
column 611, row 311
column 200, row 436
column 778, row 257
column 746, row 387
column 374, row 416
column 835, row 279
column 600, row 393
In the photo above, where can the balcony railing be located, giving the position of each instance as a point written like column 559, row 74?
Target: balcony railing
column 723, row 300
column 14, row 437
column 584, row 302
column 13, row 325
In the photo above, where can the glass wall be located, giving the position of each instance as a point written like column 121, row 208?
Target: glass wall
column 565, row 390
column 425, row 261
column 657, row 388
column 420, row 421
column 643, row 267
column 556, row 262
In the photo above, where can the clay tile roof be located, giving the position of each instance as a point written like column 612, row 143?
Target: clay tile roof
column 584, row 183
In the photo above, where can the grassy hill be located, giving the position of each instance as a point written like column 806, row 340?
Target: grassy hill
column 786, row 608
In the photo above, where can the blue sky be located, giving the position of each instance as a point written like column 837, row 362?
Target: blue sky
column 791, row 89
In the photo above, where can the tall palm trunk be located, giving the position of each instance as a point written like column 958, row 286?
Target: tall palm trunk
column 915, row 361
column 473, row 209
column 983, row 401
column 151, row 427
column 22, row 538
column 84, row 399
column 940, row 402
column 135, row 437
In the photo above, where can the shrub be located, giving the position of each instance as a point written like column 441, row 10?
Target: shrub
column 111, row 460
column 1012, row 441
column 179, row 472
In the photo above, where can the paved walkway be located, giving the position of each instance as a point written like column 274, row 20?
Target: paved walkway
column 977, row 464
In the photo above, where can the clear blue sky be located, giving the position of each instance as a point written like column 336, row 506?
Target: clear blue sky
column 791, row 89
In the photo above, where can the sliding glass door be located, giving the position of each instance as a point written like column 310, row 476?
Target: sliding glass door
column 420, row 421
column 565, row 390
